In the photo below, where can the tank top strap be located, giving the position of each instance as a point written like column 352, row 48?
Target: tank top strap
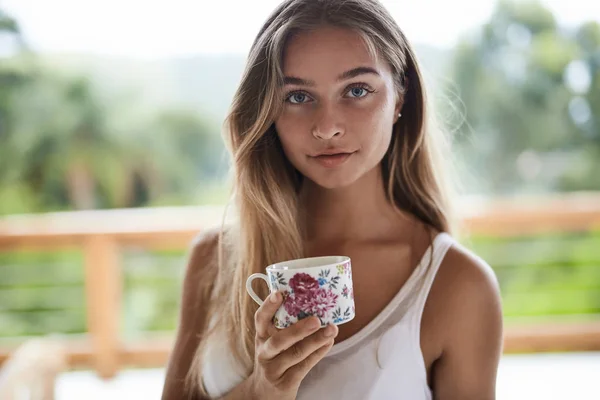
column 430, row 267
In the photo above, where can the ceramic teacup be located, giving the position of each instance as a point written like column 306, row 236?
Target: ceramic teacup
column 320, row 286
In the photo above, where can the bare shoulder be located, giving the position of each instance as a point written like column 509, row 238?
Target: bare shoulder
column 465, row 289
column 201, row 263
column 466, row 292
column 204, row 246
column 465, row 272
column 205, row 243
column 465, row 304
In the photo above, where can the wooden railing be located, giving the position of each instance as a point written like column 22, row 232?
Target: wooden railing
column 102, row 234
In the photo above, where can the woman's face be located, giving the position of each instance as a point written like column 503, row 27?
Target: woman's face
column 340, row 106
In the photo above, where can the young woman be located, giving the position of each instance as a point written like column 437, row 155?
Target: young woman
column 334, row 155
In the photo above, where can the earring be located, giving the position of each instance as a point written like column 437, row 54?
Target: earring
column 399, row 115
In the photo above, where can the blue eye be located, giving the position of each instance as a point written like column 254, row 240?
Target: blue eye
column 297, row 98
column 358, row 92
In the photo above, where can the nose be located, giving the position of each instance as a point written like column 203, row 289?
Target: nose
column 328, row 123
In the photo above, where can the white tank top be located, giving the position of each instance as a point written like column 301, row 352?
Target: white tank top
column 381, row 361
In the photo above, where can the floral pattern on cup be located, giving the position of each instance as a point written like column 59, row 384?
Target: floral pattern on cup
column 309, row 297
column 322, row 295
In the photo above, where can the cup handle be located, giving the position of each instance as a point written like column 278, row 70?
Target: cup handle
column 249, row 286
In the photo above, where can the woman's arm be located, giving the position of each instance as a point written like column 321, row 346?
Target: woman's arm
column 472, row 344
column 194, row 301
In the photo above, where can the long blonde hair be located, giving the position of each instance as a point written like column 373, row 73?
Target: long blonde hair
column 265, row 183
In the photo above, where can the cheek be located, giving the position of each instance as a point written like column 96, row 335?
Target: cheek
column 290, row 135
column 374, row 125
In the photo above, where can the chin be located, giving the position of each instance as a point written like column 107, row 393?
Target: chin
column 333, row 181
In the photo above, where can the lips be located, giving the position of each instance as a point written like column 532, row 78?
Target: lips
column 332, row 159
column 333, row 152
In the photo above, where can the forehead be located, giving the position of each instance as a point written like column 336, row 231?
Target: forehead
column 324, row 53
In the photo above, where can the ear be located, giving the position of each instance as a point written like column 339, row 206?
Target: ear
column 398, row 107
column 400, row 101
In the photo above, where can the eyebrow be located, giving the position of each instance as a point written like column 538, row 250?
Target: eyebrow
column 353, row 73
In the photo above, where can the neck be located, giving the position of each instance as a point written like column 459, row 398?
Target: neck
column 360, row 211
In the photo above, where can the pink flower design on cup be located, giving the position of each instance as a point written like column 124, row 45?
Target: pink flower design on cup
column 308, row 298
column 318, row 303
column 303, row 284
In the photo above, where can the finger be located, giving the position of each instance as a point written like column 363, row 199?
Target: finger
column 302, row 349
column 272, row 330
column 297, row 372
column 285, row 338
column 265, row 313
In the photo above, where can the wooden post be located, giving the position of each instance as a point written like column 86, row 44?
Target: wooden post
column 103, row 288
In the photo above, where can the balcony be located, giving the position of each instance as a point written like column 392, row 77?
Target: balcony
column 112, row 280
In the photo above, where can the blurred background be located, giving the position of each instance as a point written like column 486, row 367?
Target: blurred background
column 111, row 161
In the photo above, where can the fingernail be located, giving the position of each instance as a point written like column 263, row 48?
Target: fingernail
column 330, row 330
column 275, row 297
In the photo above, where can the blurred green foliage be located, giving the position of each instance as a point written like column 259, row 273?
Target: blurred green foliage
column 531, row 94
column 546, row 276
column 63, row 145
column 41, row 292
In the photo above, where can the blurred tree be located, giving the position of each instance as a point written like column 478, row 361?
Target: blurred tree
column 71, row 150
column 531, row 94
column 64, row 150
column 15, row 72
column 192, row 138
column 176, row 149
column 64, row 146
column 11, row 78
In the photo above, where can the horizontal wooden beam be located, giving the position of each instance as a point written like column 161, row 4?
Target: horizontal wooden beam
column 81, row 354
column 553, row 337
column 174, row 227
column 149, row 227
column 165, row 240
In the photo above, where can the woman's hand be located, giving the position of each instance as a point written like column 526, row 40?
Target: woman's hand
column 284, row 357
